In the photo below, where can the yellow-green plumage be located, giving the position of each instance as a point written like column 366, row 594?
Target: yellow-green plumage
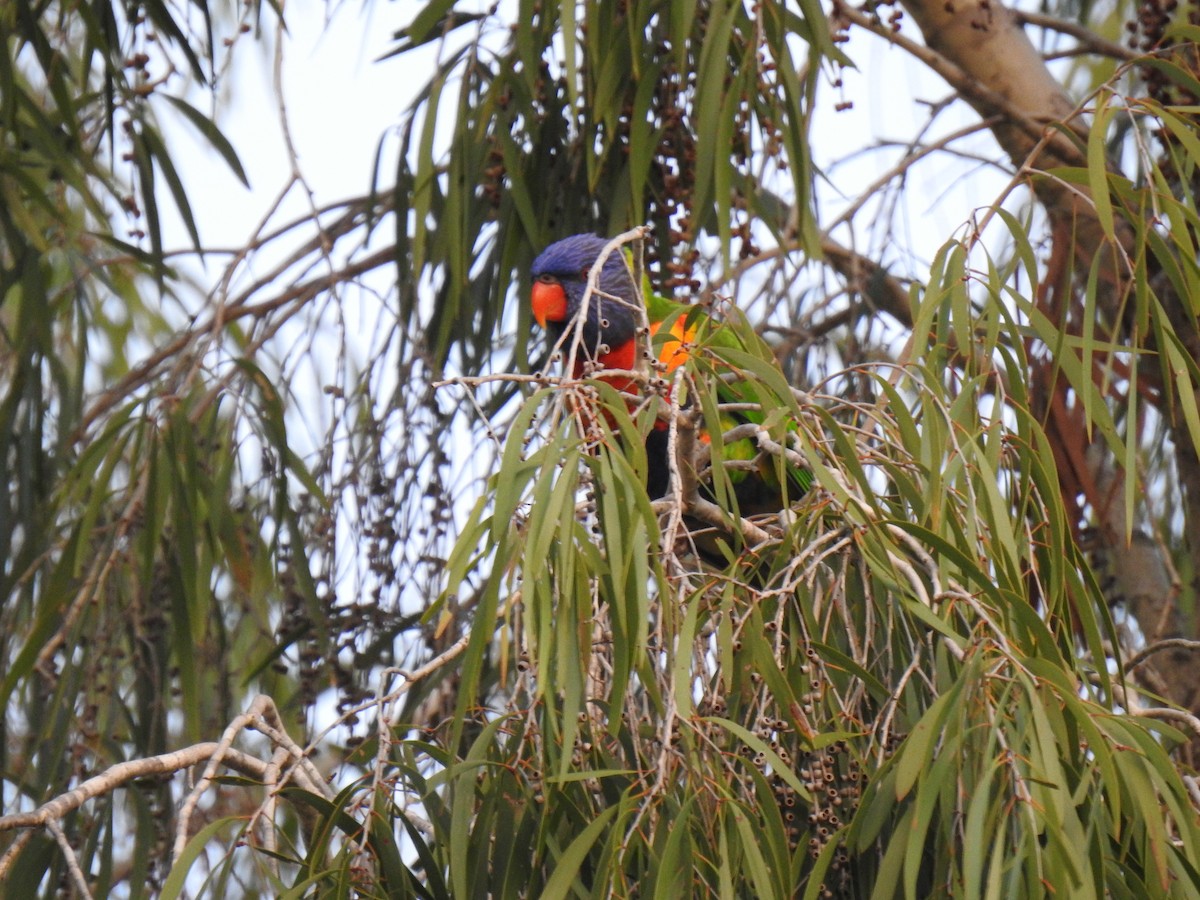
column 716, row 350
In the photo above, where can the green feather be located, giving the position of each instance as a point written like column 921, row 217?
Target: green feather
column 719, row 347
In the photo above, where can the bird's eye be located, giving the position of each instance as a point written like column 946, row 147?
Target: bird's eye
column 547, row 278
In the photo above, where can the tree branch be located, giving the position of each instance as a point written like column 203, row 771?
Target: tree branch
column 50, row 813
column 1089, row 41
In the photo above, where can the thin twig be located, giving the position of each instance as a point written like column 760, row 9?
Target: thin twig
column 1170, row 714
column 1193, row 790
column 68, row 851
column 1157, row 647
column 1088, row 39
column 968, row 86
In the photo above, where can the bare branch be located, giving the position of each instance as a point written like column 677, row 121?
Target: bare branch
column 68, row 851
column 984, row 98
column 1089, row 41
column 121, row 773
column 262, row 716
column 1157, row 647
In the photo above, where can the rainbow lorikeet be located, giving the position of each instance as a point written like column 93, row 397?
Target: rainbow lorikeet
column 608, row 338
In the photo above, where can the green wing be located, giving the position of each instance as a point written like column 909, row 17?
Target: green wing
column 716, row 349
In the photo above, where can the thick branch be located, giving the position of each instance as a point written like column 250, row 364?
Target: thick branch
column 122, row 773
column 982, row 51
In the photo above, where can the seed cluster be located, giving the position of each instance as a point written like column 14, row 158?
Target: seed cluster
column 588, row 150
column 1148, row 34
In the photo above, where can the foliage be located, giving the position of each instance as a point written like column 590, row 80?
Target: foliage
column 427, row 635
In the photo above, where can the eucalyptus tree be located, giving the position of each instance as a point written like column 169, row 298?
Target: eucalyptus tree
column 326, row 488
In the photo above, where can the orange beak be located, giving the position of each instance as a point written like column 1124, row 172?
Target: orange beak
column 549, row 302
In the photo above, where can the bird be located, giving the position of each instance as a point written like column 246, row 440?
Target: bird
column 609, row 330
column 609, row 339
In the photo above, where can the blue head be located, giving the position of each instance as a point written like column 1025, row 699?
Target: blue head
column 559, row 280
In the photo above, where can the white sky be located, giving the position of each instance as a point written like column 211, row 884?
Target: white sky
column 340, row 103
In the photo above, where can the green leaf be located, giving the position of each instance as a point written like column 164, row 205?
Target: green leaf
column 1098, row 165
column 208, row 128
column 569, row 862
column 917, row 751
column 200, row 842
